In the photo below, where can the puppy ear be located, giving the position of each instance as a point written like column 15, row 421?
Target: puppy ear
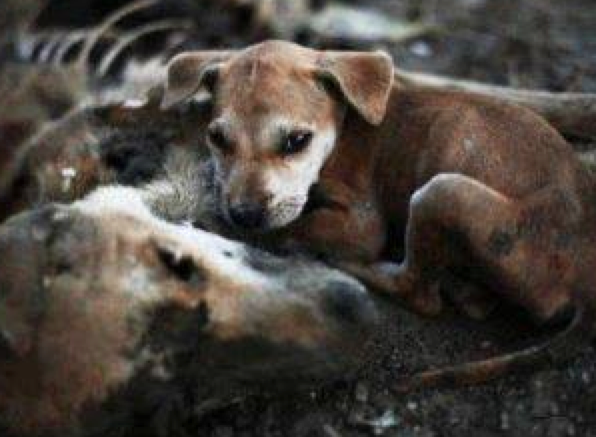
column 187, row 72
column 363, row 78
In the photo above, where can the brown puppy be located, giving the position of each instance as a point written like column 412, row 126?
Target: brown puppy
column 482, row 190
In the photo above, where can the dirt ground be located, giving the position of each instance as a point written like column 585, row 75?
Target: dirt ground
column 548, row 44
column 549, row 403
column 525, row 43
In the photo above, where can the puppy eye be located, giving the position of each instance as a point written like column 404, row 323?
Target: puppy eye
column 209, row 78
column 296, row 142
column 217, row 139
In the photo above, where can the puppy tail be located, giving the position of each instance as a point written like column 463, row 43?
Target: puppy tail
column 559, row 349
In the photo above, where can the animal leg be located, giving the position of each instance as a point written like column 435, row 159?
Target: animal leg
column 455, row 220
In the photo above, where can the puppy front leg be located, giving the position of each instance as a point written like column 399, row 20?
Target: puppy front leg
column 416, row 292
column 354, row 233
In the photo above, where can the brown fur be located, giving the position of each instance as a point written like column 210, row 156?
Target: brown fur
column 101, row 298
column 462, row 183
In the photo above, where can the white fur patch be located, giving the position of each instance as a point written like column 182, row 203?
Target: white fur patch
column 134, row 103
column 115, row 199
column 289, row 184
column 220, row 256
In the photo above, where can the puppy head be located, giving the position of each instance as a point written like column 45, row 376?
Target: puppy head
column 277, row 109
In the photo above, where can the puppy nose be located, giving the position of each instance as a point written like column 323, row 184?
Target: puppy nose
column 247, row 215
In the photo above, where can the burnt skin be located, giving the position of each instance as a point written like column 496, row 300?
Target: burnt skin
column 104, row 304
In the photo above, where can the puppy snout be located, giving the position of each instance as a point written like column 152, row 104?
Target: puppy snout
column 247, row 215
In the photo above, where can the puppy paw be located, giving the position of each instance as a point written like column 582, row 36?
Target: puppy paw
column 426, row 300
column 420, row 295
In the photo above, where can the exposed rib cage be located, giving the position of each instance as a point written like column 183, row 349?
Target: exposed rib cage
column 96, row 49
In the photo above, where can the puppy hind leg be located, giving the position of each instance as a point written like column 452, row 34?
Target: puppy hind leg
column 456, row 221
column 471, row 299
column 451, row 219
